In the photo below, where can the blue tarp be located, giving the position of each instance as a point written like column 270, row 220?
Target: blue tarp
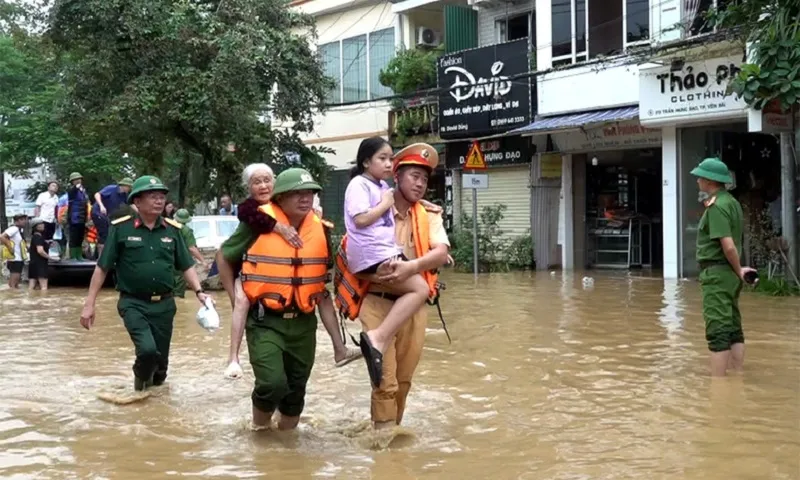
column 575, row 120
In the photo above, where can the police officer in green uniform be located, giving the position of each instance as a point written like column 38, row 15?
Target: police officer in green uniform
column 145, row 249
column 719, row 243
column 182, row 216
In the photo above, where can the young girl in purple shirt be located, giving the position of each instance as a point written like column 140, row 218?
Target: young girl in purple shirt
column 369, row 220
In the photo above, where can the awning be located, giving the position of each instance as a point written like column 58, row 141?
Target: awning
column 577, row 120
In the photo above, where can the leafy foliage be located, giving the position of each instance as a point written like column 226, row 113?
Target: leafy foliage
column 411, row 71
column 496, row 253
column 773, row 27
column 161, row 78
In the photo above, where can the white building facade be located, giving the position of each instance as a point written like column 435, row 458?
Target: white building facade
column 631, row 104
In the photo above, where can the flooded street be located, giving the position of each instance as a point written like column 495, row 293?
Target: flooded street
column 544, row 380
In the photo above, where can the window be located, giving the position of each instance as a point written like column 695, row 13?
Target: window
column 584, row 29
column 331, row 61
column 201, row 228
column 381, row 52
column 516, row 27
column 693, row 14
column 225, row 228
column 355, row 64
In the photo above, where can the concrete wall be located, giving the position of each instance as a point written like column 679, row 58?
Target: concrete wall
column 343, row 128
column 588, row 88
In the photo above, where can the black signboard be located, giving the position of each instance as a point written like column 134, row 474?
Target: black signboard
column 484, row 90
column 497, row 151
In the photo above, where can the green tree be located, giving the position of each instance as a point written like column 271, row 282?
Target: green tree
column 773, row 28
column 30, row 132
column 189, row 78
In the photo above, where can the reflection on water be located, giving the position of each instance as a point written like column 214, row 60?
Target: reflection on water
column 547, row 378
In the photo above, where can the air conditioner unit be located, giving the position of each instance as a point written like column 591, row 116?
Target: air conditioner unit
column 428, row 37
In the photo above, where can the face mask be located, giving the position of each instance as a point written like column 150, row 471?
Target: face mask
column 702, row 196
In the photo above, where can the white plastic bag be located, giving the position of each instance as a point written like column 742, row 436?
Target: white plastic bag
column 207, row 316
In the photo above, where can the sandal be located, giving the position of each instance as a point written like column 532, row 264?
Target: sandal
column 374, row 360
column 352, row 354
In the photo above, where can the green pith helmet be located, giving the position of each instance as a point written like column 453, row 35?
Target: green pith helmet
column 125, row 182
column 146, row 183
column 183, row 216
column 713, row 169
column 294, row 179
column 75, row 176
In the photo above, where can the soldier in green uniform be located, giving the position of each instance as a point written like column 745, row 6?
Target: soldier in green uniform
column 182, row 216
column 719, row 242
column 145, row 249
column 282, row 344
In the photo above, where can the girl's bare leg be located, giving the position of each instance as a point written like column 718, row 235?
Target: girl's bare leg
column 413, row 293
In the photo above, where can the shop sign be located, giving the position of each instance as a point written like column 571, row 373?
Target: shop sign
column 482, row 91
column 499, row 151
column 550, row 164
column 770, row 119
column 617, row 136
column 698, row 91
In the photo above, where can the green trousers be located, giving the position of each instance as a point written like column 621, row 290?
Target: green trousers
column 723, row 321
column 282, row 355
column 150, row 328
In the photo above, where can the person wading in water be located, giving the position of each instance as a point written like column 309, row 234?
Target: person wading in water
column 253, row 221
column 719, row 241
column 284, row 285
column 419, row 230
column 145, row 249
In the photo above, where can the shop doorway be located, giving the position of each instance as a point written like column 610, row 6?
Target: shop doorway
column 754, row 160
column 623, row 210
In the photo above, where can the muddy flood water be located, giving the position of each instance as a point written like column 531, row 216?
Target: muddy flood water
column 545, row 379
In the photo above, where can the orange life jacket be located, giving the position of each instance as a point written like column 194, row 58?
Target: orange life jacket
column 280, row 275
column 350, row 290
column 91, row 232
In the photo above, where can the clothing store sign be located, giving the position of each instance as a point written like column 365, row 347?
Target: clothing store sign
column 617, row 136
column 698, row 91
column 498, row 151
column 484, row 90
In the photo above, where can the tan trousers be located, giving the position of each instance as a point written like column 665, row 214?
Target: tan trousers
column 399, row 361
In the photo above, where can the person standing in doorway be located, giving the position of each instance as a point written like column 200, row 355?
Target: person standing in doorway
column 226, row 206
column 145, row 250
column 106, row 203
column 182, row 216
column 46, row 206
column 719, row 246
column 77, row 207
column 15, row 251
column 38, row 265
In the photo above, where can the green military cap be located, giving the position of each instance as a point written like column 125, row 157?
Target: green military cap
column 75, row 176
column 713, row 169
column 146, row 183
column 183, row 216
column 294, row 179
column 125, row 182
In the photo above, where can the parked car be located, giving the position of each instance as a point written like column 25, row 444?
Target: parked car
column 211, row 230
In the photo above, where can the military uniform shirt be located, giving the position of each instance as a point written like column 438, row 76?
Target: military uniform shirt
column 722, row 218
column 145, row 260
column 188, row 237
